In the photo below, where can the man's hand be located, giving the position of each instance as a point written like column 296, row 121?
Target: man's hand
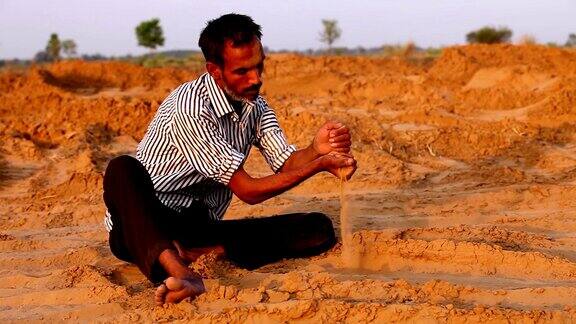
column 332, row 137
column 342, row 165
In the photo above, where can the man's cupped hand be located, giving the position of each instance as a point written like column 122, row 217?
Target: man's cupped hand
column 332, row 137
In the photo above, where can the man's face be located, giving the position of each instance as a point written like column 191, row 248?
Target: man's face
column 241, row 74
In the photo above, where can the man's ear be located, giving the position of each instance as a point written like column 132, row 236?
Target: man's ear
column 214, row 70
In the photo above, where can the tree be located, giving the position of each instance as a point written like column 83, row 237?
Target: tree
column 571, row 42
column 330, row 33
column 149, row 34
column 53, row 47
column 489, row 35
column 69, row 48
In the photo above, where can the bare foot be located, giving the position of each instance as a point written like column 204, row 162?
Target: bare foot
column 174, row 290
column 190, row 255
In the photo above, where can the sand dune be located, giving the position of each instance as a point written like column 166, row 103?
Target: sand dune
column 463, row 207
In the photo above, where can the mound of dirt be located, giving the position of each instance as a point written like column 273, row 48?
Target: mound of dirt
column 462, row 209
column 459, row 63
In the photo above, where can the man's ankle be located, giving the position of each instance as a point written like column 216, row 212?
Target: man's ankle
column 174, row 266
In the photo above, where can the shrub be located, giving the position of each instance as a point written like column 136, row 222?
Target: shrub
column 489, row 35
column 571, row 42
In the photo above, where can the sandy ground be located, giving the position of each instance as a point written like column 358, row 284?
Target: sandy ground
column 463, row 207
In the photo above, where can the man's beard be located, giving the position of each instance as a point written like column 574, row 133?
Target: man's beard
column 234, row 96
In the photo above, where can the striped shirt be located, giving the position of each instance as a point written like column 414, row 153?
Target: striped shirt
column 196, row 141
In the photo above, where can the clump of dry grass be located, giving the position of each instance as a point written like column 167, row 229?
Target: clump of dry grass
column 527, row 39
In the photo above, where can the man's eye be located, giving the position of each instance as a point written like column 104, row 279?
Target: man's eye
column 241, row 71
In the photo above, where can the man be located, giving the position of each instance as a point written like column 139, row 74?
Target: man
column 165, row 207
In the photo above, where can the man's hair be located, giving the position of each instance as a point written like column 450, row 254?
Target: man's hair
column 240, row 29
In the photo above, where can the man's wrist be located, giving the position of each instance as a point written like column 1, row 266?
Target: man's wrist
column 313, row 152
column 318, row 164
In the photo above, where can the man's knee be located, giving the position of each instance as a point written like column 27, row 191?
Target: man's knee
column 320, row 220
column 118, row 246
column 121, row 164
column 123, row 168
column 322, row 225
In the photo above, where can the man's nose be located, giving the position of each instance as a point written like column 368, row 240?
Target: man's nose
column 255, row 77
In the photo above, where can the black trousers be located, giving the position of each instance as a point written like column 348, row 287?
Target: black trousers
column 143, row 227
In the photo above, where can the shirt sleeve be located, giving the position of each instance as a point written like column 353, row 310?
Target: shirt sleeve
column 204, row 147
column 271, row 141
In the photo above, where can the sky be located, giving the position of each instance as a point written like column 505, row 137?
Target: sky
column 107, row 26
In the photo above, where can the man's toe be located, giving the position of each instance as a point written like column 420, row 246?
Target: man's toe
column 160, row 295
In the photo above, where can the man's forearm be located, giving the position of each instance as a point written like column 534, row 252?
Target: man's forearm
column 256, row 190
column 300, row 158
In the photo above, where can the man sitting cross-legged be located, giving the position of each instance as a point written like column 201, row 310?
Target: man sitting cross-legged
column 165, row 207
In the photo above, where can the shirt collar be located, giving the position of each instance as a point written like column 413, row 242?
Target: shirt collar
column 218, row 97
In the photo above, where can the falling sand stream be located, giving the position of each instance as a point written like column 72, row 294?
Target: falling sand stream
column 350, row 258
